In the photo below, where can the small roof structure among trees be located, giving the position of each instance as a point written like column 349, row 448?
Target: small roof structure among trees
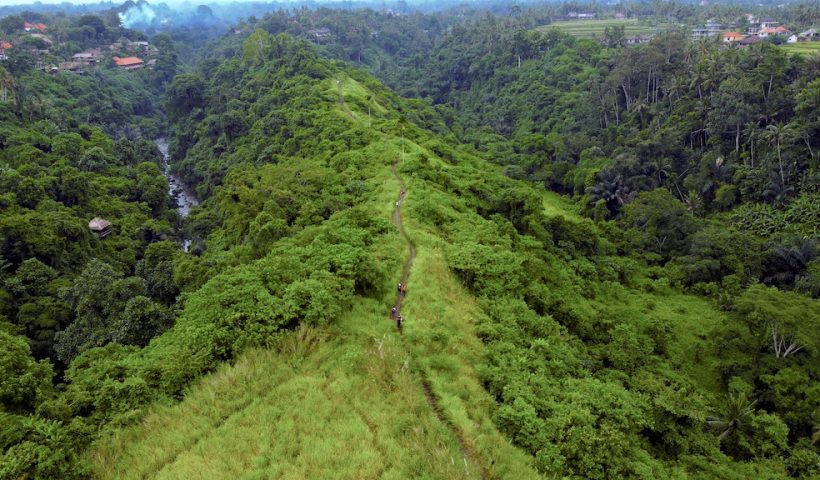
column 129, row 63
column 100, row 226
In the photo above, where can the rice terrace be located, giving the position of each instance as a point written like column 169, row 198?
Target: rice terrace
column 596, row 28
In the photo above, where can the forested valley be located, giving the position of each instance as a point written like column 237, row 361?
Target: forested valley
column 610, row 250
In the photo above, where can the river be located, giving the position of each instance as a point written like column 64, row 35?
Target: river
column 184, row 195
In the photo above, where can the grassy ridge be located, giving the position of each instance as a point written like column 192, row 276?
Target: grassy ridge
column 352, row 404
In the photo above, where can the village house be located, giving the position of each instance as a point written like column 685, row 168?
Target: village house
column 772, row 31
column 767, row 22
column 808, row 36
column 620, row 16
column 731, row 37
column 4, row 48
column 129, row 63
column 699, row 33
column 88, row 57
column 100, row 227
column 34, row 26
column 750, row 40
column 711, row 29
column 758, row 24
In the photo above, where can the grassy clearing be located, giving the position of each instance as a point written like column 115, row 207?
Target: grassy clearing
column 802, row 48
column 595, row 28
column 556, row 205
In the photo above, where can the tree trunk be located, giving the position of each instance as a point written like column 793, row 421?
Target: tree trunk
column 737, row 139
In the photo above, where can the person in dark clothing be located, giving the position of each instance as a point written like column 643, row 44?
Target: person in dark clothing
column 399, row 319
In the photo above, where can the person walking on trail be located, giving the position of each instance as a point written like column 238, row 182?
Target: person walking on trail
column 399, row 287
column 393, row 312
column 399, row 319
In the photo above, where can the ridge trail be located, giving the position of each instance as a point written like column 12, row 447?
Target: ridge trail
column 467, row 451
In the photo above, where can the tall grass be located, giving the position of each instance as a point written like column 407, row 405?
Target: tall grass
column 345, row 401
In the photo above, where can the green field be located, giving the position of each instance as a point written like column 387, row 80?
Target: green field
column 802, row 48
column 595, row 28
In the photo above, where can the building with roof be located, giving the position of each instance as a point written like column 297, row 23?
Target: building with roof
column 4, row 48
column 772, row 31
column 810, row 34
column 129, row 63
column 34, row 26
column 100, row 227
column 89, row 56
column 750, row 40
column 767, row 22
column 731, row 37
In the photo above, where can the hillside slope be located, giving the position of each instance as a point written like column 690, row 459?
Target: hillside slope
column 352, row 400
column 524, row 324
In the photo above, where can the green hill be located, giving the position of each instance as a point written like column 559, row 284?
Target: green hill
column 521, row 319
column 535, row 343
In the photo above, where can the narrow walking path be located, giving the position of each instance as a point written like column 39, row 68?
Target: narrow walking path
column 469, row 456
column 467, row 452
column 405, row 275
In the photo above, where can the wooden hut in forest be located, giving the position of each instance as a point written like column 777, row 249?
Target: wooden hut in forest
column 100, row 227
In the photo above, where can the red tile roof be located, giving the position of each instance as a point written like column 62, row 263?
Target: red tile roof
column 779, row 30
column 733, row 35
column 5, row 45
column 127, row 61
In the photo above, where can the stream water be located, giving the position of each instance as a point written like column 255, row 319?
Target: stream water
column 184, row 195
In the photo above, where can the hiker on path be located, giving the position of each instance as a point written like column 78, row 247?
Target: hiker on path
column 399, row 288
column 393, row 312
column 398, row 322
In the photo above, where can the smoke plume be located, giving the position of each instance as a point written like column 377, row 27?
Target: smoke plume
column 140, row 14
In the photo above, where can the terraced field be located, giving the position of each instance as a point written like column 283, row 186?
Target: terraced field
column 802, row 48
column 595, row 28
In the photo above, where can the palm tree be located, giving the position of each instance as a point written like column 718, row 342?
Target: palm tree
column 777, row 135
column 751, row 133
column 789, row 261
column 777, row 192
column 640, row 107
column 610, row 188
column 737, row 411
